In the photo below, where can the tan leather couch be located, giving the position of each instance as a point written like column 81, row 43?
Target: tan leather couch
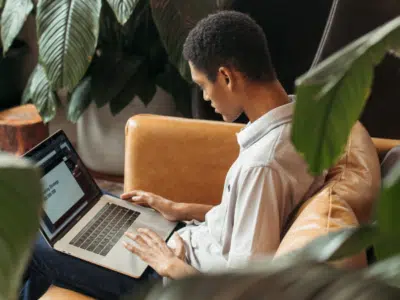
column 187, row 160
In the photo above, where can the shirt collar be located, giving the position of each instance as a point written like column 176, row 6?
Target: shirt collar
column 252, row 132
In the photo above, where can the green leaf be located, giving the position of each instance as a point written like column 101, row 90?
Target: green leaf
column 13, row 19
column 2, row 3
column 174, row 20
column 139, row 84
column 27, row 94
column 21, row 204
column 67, row 34
column 340, row 244
column 387, row 270
column 80, row 100
column 110, row 74
column 331, row 97
column 123, row 9
column 388, row 215
column 146, row 92
column 177, row 87
column 306, row 280
column 39, row 91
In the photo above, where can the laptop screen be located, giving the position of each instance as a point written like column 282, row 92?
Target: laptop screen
column 68, row 186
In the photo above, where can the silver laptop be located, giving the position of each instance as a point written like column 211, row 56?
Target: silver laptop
column 83, row 222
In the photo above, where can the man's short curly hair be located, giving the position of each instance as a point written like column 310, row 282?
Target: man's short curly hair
column 231, row 39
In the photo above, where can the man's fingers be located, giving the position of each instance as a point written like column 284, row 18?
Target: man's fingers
column 147, row 239
column 152, row 235
column 137, row 238
column 131, row 248
column 129, row 195
column 138, row 199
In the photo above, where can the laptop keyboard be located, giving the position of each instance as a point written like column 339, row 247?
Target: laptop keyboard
column 102, row 233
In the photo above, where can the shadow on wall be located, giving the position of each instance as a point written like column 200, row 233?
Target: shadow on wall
column 17, row 65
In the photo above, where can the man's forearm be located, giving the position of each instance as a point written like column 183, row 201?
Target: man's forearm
column 192, row 211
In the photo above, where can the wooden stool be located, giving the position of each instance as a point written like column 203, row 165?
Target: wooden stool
column 21, row 128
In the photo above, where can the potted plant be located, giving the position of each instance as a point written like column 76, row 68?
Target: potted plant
column 103, row 52
column 11, row 69
column 301, row 275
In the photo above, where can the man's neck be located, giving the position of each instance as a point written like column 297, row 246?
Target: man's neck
column 264, row 98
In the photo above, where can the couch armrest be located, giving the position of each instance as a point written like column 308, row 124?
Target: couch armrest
column 180, row 159
column 384, row 145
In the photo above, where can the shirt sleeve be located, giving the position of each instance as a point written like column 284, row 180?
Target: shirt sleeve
column 261, row 196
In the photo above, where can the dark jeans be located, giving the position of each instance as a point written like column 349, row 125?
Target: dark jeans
column 48, row 266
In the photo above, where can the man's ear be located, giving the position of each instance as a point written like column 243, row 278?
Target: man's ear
column 227, row 76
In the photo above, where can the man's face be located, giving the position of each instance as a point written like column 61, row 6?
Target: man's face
column 221, row 93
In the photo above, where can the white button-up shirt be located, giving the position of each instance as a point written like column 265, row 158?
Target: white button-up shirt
column 263, row 186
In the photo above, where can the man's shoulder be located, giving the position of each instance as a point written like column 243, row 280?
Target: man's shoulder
column 276, row 151
column 269, row 149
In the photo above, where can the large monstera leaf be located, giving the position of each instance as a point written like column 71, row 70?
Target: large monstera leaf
column 306, row 280
column 174, row 20
column 13, row 19
column 67, row 33
column 123, row 9
column 331, row 97
column 21, row 205
column 39, row 92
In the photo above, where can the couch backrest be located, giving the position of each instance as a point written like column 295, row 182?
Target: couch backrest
column 347, row 198
column 187, row 160
column 356, row 177
column 184, row 160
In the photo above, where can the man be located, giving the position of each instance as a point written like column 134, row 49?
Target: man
column 229, row 59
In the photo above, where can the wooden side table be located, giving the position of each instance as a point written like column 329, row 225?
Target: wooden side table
column 21, row 128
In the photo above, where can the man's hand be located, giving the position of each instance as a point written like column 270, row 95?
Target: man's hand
column 169, row 209
column 154, row 251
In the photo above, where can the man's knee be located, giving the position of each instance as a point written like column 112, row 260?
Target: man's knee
column 41, row 253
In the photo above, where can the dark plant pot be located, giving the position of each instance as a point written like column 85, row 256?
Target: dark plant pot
column 11, row 68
